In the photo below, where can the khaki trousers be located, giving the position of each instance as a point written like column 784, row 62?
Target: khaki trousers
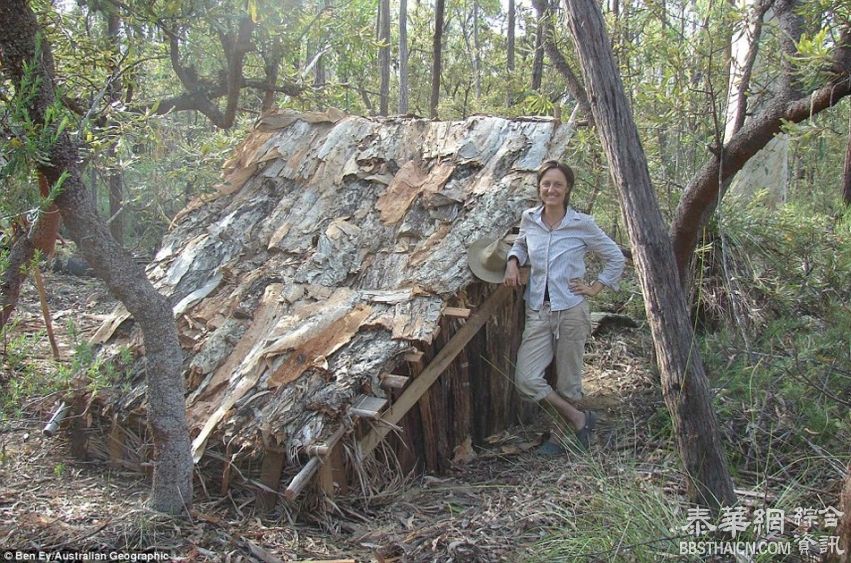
column 547, row 332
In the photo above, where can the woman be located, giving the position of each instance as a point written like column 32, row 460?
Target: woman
column 554, row 239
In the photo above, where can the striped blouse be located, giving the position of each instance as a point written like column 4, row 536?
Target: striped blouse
column 558, row 255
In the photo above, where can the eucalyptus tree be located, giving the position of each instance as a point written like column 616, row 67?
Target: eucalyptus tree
column 384, row 55
column 403, row 56
column 436, row 54
column 28, row 63
column 684, row 383
column 825, row 62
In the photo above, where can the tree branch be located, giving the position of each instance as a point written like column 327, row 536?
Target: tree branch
column 704, row 191
column 740, row 92
column 574, row 86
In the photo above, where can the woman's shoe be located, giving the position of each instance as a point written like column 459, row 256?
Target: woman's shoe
column 584, row 435
column 549, row 449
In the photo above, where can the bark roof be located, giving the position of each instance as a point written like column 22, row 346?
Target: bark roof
column 327, row 252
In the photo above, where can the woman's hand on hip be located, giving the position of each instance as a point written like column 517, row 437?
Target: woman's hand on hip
column 512, row 274
column 579, row 287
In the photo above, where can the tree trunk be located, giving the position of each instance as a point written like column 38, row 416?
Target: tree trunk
column 477, row 51
column 511, row 31
column 744, row 46
column 271, row 64
column 403, row 57
column 20, row 255
column 684, row 384
column 509, row 99
column 538, row 61
column 706, row 188
column 115, row 180
column 544, row 8
column 319, row 78
column 42, row 236
column 844, row 531
column 437, row 51
column 384, row 56
column 846, row 173
column 172, row 484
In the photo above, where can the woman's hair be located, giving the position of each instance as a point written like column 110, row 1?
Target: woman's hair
column 564, row 169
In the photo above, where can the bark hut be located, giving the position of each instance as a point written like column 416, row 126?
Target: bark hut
column 326, row 280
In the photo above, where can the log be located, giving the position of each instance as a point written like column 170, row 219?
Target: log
column 270, row 475
column 52, row 426
column 301, row 480
column 115, row 444
column 457, row 312
column 393, row 381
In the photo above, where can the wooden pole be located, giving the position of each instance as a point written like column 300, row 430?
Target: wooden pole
column 270, row 475
column 441, row 361
column 323, row 454
column 45, row 311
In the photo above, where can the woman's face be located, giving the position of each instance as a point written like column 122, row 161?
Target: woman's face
column 553, row 188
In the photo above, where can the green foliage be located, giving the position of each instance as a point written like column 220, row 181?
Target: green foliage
column 623, row 516
column 791, row 258
column 98, row 373
column 783, row 382
column 21, row 377
column 813, row 58
column 26, row 377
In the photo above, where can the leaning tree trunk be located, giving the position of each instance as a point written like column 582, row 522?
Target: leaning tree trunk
column 41, row 237
column 172, row 484
column 844, row 531
column 706, row 188
column 846, row 172
column 684, row 383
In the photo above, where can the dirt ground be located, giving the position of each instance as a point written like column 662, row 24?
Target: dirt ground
column 496, row 505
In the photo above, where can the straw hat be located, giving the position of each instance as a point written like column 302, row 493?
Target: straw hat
column 487, row 257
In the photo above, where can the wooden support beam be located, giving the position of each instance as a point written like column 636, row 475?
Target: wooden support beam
column 441, row 361
column 332, row 472
column 368, row 407
column 301, row 480
column 393, row 381
column 458, row 312
column 226, row 472
column 322, row 454
column 270, row 475
column 414, row 357
column 326, row 479
column 115, row 444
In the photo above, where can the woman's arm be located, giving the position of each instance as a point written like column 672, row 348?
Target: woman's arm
column 517, row 256
column 613, row 259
